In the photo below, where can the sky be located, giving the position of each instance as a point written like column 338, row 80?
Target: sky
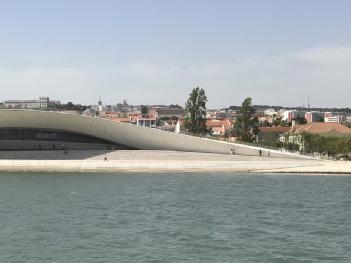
column 279, row 52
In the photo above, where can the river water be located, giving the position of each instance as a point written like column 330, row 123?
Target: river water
column 174, row 218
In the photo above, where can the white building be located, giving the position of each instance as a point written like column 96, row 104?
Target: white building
column 290, row 115
column 270, row 112
column 42, row 103
column 332, row 119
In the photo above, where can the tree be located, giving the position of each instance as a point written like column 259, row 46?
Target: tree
column 246, row 124
column 300, row 120
column 195, row 112
column 144, row 110
column 70, row 105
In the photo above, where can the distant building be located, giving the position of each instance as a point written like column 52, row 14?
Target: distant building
column 108, row 107
column 145, row 121
column 272, row 133
column 327, row 114
column 320, row 128
column 211, row 114
column 219, row 127
column 314, row 116
column 290, row 115
column 270, row 112
column 269, row 115
column 336, row 119
column 41, row 103
column 169, row 112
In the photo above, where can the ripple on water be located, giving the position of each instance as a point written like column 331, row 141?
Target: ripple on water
column 174, row 218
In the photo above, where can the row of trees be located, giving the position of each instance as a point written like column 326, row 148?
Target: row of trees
column 246, row 126
column 326, row 145
column 69, row 106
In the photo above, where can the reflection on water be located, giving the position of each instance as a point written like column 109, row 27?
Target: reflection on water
column 174, row 218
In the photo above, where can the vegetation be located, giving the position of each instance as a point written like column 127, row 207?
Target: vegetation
column 293, row 147
column 69, row 106
column 272, row 144
column 195, row 112
column 175, row 106
column 246, row 125
column 168, row 118
column 300, row 120
column 144, row 110
column 326, row 145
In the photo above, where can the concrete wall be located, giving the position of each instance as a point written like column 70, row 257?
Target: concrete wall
column 127, row 134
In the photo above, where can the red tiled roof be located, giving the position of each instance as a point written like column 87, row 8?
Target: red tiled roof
column 218, row 123
column 278, row 129
column 327, row 128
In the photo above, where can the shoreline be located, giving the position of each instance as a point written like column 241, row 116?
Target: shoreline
column 128, row 166
column 163, row 161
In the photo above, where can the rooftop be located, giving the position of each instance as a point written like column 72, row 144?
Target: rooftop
column 277, row 129
column 325, row 128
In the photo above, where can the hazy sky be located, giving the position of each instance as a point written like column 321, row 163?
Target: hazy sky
column 156, row 51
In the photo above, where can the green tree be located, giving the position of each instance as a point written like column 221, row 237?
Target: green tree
column 326, row 145
column 195, row 112
column 144, row 110
column 70, row 105
column 246, row 126
column 300, row 120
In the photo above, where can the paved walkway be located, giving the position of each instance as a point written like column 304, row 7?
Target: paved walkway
column 160, row 161
column 130, row 155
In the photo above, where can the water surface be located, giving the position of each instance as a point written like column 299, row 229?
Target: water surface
column 174, row 218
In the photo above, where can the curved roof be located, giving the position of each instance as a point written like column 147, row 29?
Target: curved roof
column 118, row 132
column 123, row 133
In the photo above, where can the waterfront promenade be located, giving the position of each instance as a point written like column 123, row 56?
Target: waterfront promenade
column 161, row 161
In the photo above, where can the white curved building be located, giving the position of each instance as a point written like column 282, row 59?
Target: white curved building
column 30, row 129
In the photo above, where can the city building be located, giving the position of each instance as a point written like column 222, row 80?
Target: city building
column 322, row 128
column 336, row 119
column 327, row 114
column 41, row 103
column 314, row 116
column 319, row 128
column 290, row 115
column 219, row 127
column 169, row 112
column 270, row 134
column 146, row 121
